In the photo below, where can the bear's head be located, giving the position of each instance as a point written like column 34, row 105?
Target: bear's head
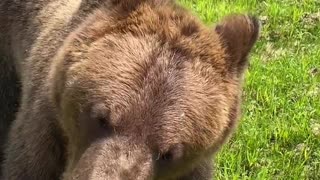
column 145, row 91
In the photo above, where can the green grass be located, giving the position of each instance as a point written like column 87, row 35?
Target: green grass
column 279, row 133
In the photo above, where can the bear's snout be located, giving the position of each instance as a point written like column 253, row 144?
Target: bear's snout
column 113, row 158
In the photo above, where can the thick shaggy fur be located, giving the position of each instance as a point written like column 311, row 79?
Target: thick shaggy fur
column 121, row 89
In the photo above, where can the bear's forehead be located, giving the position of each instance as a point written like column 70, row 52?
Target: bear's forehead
column 145, row 27
column 145, row 71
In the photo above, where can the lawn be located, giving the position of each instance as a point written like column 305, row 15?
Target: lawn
column 279, row 133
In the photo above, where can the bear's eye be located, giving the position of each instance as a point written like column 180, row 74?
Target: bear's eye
column 94, row 123
column 100, row 115
column 168, row 156
column 169, row 159
column 103, row 122
column 175, row 153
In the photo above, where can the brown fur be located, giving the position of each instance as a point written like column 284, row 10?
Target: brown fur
column 121, row 89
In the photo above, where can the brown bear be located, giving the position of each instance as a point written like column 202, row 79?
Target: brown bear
column 121, row 89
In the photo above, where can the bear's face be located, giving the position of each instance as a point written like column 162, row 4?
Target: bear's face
column 150, row 95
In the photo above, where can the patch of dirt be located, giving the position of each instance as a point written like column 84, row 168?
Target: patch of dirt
column 311, row 18
column 314, row 72
column 272, row 52
column 315, row 128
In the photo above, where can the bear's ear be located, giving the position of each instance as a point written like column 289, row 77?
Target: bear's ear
column 238, row 34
